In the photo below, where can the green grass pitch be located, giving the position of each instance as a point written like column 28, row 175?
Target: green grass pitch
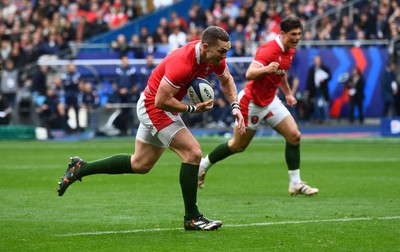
column 357, row 209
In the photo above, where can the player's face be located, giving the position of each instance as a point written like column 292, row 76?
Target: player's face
column 291, row 38
column 217, row 52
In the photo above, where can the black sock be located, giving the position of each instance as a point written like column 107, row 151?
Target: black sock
column 188, row 181
column 117, row 164
column 220, row 152
column 292, row 156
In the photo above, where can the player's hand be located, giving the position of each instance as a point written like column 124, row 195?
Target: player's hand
column 290, row 100
column 204, row 106
column 239, row 120
column 272, row 67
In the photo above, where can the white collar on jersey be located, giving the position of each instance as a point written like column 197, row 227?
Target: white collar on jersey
column 198, row 53
column 278, row 40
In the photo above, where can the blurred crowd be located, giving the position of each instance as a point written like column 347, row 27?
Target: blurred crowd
column 51, row 27
column 32, row 29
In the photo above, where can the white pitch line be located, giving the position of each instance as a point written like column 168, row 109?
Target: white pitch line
column 231, row 225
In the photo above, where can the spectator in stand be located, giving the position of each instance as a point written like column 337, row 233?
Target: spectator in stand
column 83, row 5
column 15, row 34
column 136, row 47
column 149, row 47
column 231, row 25
column 68, row 32
column 196, row 16
column 307, row 39
column 74, row 14
column 117, row 17
column 5, row 111
column 50, row 46
column 8, row 7
column 355, row 85
column 251, row 30
column 163, row 23
column 144, row 33
column 217, row 9
column 317, row 90
column 365, row 24
column 177, row 38
column 89, row 100
column 70, row 81
column 131, row 10
column 145, row 71
column 238, row 49
column 382, row 27
column 242, row 17
column 91, row 15
column 394, row 18
column 39, row 81
column 99, row 25
column 64, row 8
column 177, row 21
column 17, row 55
column 51, row 112
column 390, row 89
column 9, row 82
column 34, row 49
column 120, row 45
column 158, row 34
column 5, row 49
column 125, row 80
column 194, row 33
column 238, row 34
column 231, row 9
column 83, row 30
column 266, row 35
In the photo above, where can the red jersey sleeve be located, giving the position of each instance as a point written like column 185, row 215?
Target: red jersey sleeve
column 220, row 70
column 263, row 55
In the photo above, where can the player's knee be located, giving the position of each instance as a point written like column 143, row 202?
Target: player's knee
column 192, row 156
column 294, row 137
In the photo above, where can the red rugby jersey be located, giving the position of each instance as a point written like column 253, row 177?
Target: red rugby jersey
column 263, row 90
column 179, row 68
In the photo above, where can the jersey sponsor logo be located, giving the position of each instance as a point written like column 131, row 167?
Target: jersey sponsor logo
column 281, row 72
column 207, row 69
column 254, row 119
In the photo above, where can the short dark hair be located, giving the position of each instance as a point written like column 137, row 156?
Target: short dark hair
column 290, row 23
column 214, row 33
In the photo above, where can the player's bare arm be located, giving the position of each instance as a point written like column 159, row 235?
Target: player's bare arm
column 284, row 85
column 228, row 87
column 257, row 71
column 166, row 101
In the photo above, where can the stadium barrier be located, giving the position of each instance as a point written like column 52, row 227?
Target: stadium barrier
column 19, row 132
column 390, row 126
column 370, row 60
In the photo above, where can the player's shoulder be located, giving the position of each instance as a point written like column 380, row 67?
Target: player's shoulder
column 270, row 44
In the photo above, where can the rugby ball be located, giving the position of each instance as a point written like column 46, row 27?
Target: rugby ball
column 200, row 90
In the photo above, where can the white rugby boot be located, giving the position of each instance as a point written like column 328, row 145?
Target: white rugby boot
column 302, row 188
